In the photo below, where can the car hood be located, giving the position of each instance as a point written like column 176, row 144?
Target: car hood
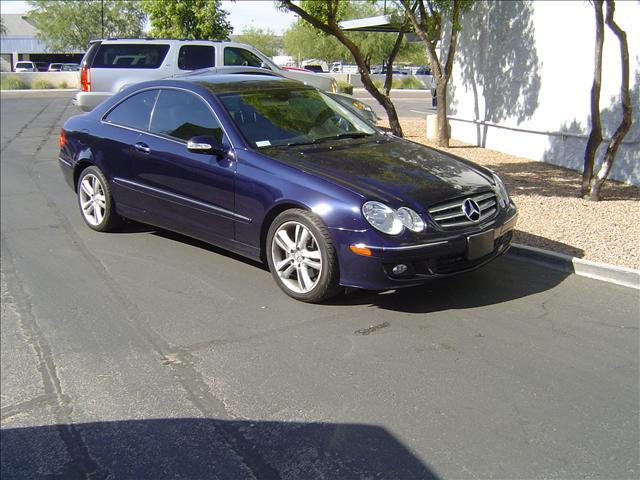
column 392, row 170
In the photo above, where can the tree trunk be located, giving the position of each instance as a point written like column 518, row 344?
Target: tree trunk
column 595, row 136
column 625, row 97
column 388, row 79
column 441, row 76
column 443, row 125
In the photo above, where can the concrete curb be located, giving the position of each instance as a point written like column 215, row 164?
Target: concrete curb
column 628, row 277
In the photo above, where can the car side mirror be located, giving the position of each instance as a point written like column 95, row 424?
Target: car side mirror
column 207, row 145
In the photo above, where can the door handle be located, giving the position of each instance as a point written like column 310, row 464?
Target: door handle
column 142, row 147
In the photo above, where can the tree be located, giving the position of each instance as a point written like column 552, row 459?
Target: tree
column 67, row 25
column 595, row 136
column 301, row 40
column 430, row 19
column 325, row 16
column 264, row 40
column 195, row 19
column 3, row 28
column 596, row 181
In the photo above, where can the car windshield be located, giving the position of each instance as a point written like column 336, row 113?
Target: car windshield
column 23, row 65
column 288, row 117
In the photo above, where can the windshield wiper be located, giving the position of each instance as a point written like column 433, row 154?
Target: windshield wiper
column 344, row 135
column 295, row 144
column 331, row 137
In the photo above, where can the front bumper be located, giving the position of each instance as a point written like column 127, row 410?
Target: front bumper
column 425, row 261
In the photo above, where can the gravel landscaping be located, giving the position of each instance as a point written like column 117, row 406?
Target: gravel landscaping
column 552, row 216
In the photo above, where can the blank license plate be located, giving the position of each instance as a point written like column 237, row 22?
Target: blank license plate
column 479, row 245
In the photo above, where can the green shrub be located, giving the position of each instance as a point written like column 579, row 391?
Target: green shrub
column 42, row 84
column 411, row 82
column 12, row 82
column 344, row 87
column 378, row 84
column 63, row 84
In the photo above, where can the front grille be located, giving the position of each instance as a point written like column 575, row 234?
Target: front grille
column 450, row 214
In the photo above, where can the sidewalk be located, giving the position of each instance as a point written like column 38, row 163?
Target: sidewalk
column 551, row 214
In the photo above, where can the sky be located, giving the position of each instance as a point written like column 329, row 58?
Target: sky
column 242, row 13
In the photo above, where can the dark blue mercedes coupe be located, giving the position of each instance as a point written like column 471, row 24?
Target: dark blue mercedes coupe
column 277, row 171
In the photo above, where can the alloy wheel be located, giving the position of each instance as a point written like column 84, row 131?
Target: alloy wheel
column 296, row 257
column 92, row 199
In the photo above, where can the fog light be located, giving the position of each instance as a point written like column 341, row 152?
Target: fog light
column 399, row 269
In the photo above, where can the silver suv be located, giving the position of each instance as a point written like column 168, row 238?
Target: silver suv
column 113, row 64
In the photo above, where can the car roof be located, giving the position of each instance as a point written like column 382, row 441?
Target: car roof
column 242, row 82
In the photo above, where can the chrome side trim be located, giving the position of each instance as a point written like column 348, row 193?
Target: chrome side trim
column 67, row 163
column 216, row 209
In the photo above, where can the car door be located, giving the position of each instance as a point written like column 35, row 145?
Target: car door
column 116, row 142
column 192, row 193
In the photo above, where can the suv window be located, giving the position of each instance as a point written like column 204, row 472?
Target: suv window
column 241, row 57
column 135, row 111
column 193, row 57
column 182, row 115
column 24, row 65
column 136, row 55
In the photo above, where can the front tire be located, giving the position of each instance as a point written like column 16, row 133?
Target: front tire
column 95, row 201
column 302, row 257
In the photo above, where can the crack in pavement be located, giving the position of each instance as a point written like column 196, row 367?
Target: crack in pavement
column 17, row 298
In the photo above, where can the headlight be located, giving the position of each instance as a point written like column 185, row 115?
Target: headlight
column 411, row 219
column 503, row 196
column 382, row 218
column 361, row 106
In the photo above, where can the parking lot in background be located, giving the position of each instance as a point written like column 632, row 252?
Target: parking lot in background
column 145, row 354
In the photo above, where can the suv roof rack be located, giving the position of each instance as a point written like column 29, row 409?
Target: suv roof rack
column 156, row 38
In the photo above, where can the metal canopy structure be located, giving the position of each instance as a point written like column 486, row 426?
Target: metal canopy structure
column 380, row 23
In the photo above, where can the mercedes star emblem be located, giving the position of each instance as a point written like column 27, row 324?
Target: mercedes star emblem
column 471, row 209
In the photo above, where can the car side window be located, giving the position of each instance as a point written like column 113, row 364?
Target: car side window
column 194, row 57
column 183, row 115
column 135, row 111
column 241, row 57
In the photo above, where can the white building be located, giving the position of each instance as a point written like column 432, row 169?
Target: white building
column 523, row 76
column 20, row 43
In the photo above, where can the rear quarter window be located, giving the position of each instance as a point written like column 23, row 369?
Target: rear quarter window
column 135, row 111
column 141, row 55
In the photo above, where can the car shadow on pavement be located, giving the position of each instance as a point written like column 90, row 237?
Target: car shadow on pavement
column 195, row 448
column 503, row 280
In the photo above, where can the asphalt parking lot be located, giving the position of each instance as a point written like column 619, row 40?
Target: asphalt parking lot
column 147, row 355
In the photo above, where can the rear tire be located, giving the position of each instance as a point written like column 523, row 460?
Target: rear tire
column 96, row 202
column 302, row 257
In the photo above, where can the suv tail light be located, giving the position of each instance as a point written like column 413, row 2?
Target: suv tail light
column 85, row 79
column 62, row 138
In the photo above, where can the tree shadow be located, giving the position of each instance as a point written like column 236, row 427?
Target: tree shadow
column 196, row 448
column 543, row 179
column 498, row 62
column 568, row 151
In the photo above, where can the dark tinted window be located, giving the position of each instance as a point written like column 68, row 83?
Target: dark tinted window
column 135, row 111
column 182, row 115
column 241, row 57
column 193, row 57
column 137, row 55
